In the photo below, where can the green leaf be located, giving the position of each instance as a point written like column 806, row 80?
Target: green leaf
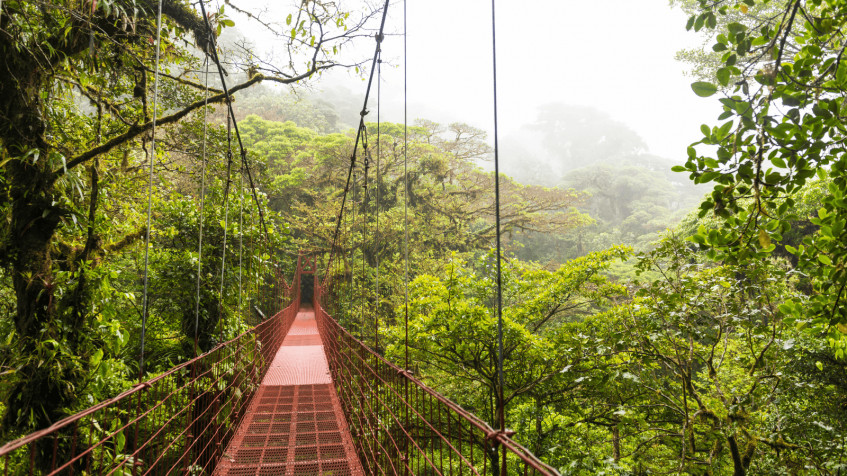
column 724, row 130
column 764, row 238
column 698, row 23
column 704, row 89
column 723, row 76
column 708, row 177
column 120, row 442
column 825, row 259
column 690, row 23
column 678, row 168
column 841, row 74
column 711, row 20
column 692, row 152
column 95, row 359
column 736, row 28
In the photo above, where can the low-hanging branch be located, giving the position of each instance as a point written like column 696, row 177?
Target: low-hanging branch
column 137, row 130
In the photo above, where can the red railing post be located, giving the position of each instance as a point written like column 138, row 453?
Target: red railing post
column 165, row 424
column 398, row 423
column 427, row 440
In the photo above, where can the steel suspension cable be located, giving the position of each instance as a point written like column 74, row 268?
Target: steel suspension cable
column 202, row 208
column 363, row 206
column 240, row 241
column 501, row 417
column 352, row 220
column 146, row 299
column 214, row 53
column 379, row 37
column 226, row 221
column 405, row 191
column 252, row 267
column 378, row 196
column 405, row 219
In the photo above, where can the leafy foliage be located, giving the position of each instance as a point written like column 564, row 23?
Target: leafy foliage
column 781, row 131
column 76, row 114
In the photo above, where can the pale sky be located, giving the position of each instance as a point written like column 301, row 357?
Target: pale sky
column 614, row 55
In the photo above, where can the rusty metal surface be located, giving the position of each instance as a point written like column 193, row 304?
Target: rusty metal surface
column 400, row 426
column 292, row 430
column 174, row 423
column 295, row 425
column 296, row 395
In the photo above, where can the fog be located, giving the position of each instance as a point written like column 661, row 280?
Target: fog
column 615, row 56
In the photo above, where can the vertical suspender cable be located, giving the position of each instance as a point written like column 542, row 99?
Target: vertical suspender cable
column 405, row 229
column 226, row 218
column 501, row 411
column 378, row 196
column 364, row 208
column 251, row 265
column 202, row 208
column 405, row 193
column 146, row 300
column 241, row 242
column 352, row 245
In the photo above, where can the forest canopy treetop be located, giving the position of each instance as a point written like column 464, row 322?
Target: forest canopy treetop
column 76, row 92
column 783, row 79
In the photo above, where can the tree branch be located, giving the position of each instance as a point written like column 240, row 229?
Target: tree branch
column 137, row 130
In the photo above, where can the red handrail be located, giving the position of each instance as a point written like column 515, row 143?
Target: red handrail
column 400, row 426
column 182, row 420
column 176, row 422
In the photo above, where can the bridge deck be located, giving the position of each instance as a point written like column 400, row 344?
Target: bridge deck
column 295, row 425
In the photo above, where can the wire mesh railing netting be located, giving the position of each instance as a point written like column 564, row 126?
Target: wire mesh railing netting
column 178, row 422
column 400, row 426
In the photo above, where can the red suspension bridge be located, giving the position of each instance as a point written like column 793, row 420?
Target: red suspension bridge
column 296, row 395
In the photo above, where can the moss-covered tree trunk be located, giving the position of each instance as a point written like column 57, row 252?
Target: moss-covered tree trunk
column 38, row 395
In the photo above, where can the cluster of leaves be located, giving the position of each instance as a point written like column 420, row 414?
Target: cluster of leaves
column 782, row 131
column 449, row 197
column 697, row 372
column 76, row 108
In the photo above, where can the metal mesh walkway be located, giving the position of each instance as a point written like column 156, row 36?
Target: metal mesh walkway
column 294, row 425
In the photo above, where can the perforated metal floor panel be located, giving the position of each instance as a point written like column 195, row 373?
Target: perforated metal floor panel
column 294, row 425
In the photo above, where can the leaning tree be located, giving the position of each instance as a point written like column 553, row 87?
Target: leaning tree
column 77, row 89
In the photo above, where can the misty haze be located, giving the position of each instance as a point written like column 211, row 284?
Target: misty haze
column 387, row 237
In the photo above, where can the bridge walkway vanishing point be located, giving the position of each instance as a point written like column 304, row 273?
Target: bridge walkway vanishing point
column 295, row 395
column 295, row 424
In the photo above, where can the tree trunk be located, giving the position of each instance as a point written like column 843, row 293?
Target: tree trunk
column 41, row 389
column 616, row 442
column 737, row 463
